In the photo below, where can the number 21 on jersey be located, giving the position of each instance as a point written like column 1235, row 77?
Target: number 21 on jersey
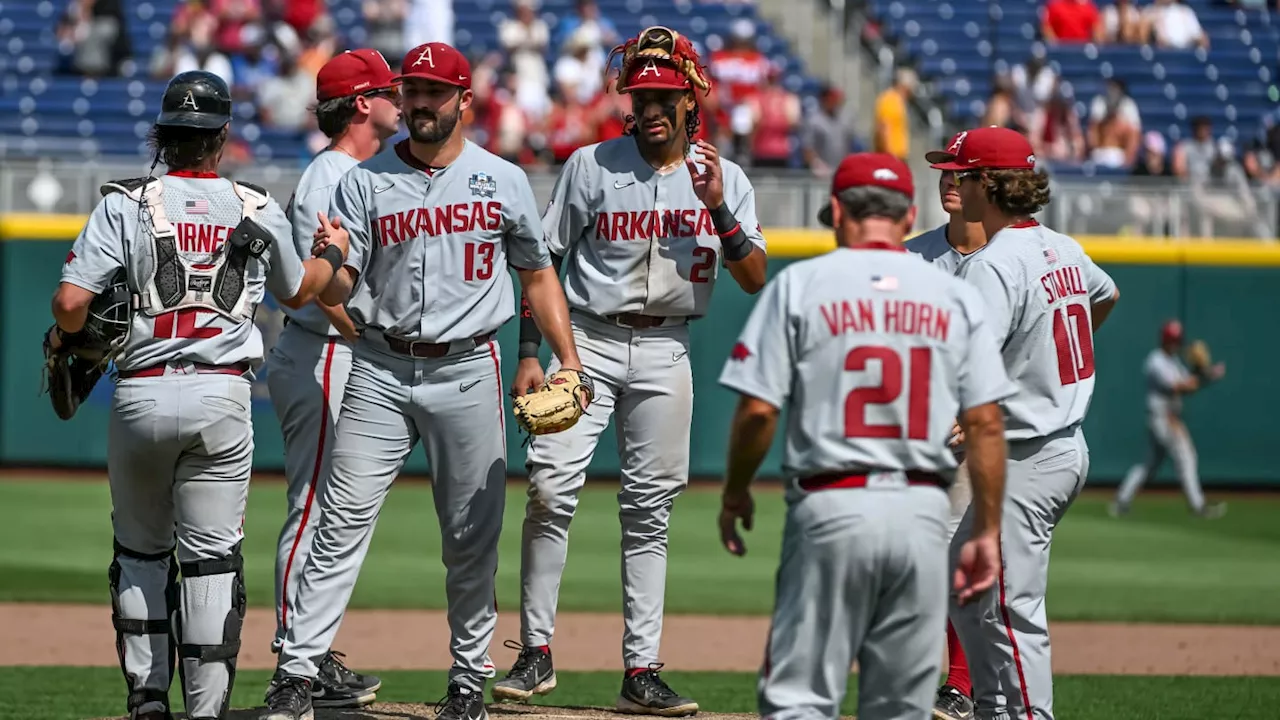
column 918, row 367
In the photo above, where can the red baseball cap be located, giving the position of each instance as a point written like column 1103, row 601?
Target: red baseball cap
column 655, row 74
column 353, row 72
column 869, row 169
column 439, row 62
column 1171, row 331
column 941, row 156
column 993, row 148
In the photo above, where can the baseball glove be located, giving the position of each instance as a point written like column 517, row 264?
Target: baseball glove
column 1198, row 357
column 70, row 371
column 556, row 405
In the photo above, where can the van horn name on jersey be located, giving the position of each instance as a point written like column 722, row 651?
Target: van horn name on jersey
column 653, row 224
column 200, row 238
column 1063, row 282
column 399, row 227
column 901, row 317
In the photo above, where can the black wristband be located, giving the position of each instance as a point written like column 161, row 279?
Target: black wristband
column 530, row 335
column 736, row 244
column 333, row 254
column 71, row 339
column 527, row 349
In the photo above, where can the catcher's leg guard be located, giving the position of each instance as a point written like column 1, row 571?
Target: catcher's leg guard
column 143, row 596
column 209, row 621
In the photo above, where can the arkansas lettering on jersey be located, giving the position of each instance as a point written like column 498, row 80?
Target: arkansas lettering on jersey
column 397, row 227
column 653, row 224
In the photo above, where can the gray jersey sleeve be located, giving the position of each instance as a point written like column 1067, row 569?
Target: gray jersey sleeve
column 525, row 243
column 97, row 252
column 1163, row 372
column 568, row 214
column 741, row 198
column 284, row 267
column 349, row 204
column 760, row 364
column 982, row 377
column 999, row 294
column 1100, row 285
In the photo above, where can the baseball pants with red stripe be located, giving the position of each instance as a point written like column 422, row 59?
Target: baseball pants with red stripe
column 307, row 377
column 454, row 406
column 1006, row 633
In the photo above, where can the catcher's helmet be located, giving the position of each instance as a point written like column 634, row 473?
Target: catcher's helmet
column 1171, row 332
column 111, row 313
column 196, row 99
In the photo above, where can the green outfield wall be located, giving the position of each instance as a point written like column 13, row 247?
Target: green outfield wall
column 1226, row 292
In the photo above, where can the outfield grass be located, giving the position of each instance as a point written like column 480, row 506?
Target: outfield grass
column 34, row 693
column 1159, row 564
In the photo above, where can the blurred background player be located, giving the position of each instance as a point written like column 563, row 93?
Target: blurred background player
column 864, row 562
column 357, row 108
column 1168, row 380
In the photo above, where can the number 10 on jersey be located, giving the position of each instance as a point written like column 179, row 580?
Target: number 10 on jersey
column 1073, row 339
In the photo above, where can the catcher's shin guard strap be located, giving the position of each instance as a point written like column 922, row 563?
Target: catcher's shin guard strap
column 211, row 618
column 152, row 581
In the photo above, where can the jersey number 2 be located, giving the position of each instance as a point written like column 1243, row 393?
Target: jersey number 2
column 1073, row 338
column 704, row 264
column 478, row 262
column 181, row 324
column 889, row 390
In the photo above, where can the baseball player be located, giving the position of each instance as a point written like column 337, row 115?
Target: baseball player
column 1044, row 297
column 877, row 354
column 194, row 252
column 947, row 247
column 434, row 222
column 357, row 108
column 1168, row 379
column 642, row 221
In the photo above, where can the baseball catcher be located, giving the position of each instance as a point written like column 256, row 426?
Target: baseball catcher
column 73, row 362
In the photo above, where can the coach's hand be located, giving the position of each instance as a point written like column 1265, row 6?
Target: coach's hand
column 529, row 377
column 977, row 568
column 734, row 507
column 708, row 185
column 330, row 232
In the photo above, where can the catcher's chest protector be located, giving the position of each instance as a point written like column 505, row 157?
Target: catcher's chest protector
column 217, row 281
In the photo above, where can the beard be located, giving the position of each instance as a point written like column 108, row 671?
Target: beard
column 438, row 131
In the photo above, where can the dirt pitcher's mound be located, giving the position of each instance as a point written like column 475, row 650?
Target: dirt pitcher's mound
column 405, row 711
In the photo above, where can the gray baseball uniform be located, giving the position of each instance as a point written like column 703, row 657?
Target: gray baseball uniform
column 642, row 257
column 431, row 249
column 1166, row 431
column 307, row 377
column 1039, row 288
column 180, row 437
column 877, row 354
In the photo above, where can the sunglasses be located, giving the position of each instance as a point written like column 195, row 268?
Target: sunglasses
column 392, row 94
column 962, row 175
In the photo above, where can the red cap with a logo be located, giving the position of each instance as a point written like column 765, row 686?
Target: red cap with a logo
column 439, row 62
column 872, row 170
column 941, row 156
column 990, row 148
column 652, row 74
column 354, row 72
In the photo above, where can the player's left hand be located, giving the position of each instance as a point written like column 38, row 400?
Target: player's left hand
column 330, row 232
column 977, row 568
column 734, row 507
column 708, row 185
column 957, row 436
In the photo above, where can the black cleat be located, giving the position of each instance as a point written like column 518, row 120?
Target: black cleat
column 645, row 693
column 462, row 704
column 335, row 673
column 288, row 698
column 532, row 674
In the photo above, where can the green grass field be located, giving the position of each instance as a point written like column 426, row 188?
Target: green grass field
column 1157, row 565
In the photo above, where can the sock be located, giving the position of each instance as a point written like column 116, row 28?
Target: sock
column 958, row 670
column 632, row 672
column 545, row 649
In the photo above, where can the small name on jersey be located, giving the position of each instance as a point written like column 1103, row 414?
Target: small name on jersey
column 399, row 227
column 653, row 224
column 1064, row 282
column 902, row 317
column 200, row 238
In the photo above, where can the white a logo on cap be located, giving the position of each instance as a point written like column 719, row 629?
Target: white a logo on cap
column 885, row 174
column 189, row 101
column 955, row 146
column 425, row 55
column 650, row 67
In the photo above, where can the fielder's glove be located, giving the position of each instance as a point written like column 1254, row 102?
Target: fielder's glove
column 1198, row 357
column 71, row 370
column 555, row 406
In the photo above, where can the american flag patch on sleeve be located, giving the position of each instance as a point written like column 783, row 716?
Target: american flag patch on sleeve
column 196, row 207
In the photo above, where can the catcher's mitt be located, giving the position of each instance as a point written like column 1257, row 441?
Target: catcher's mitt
column 664, row 45
column 556, row 405
column 1198, row 357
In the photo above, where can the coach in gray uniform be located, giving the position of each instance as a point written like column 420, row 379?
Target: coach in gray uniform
column 877, row 354
column 358, row 107
column 194, row 252
column 434, row 223
column 643, row 224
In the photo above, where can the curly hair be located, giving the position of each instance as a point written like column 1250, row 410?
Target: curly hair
column 185, row 147
column 1017, row 192
column 692, row 121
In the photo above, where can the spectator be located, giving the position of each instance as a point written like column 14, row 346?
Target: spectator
column 202, row 56
column 1055, row 132
column 577, row 73
column 1171, row 24
column 1003, row 109
column 94, row 37
column 587, row 14
column 1071, row 21
column 775, row 119
column 892, row 125
column 233, row 16
column 739, row 68
column 1201, row 158
column 428, row 21
column 1113, row 140
column 611, row 111
column 1154, row 158
column 1262, row 161
column 384, row 21
column 569, row 126
column 319, row 46
column 826, row 138
column 164, row 56
column 1218, row 188
column 256, row 63
column 1033, row 83
column 1115, row 96
column 525, row 38
column 299, row 15
column 284, row 99
column 1122, row 23
column 194, row 21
